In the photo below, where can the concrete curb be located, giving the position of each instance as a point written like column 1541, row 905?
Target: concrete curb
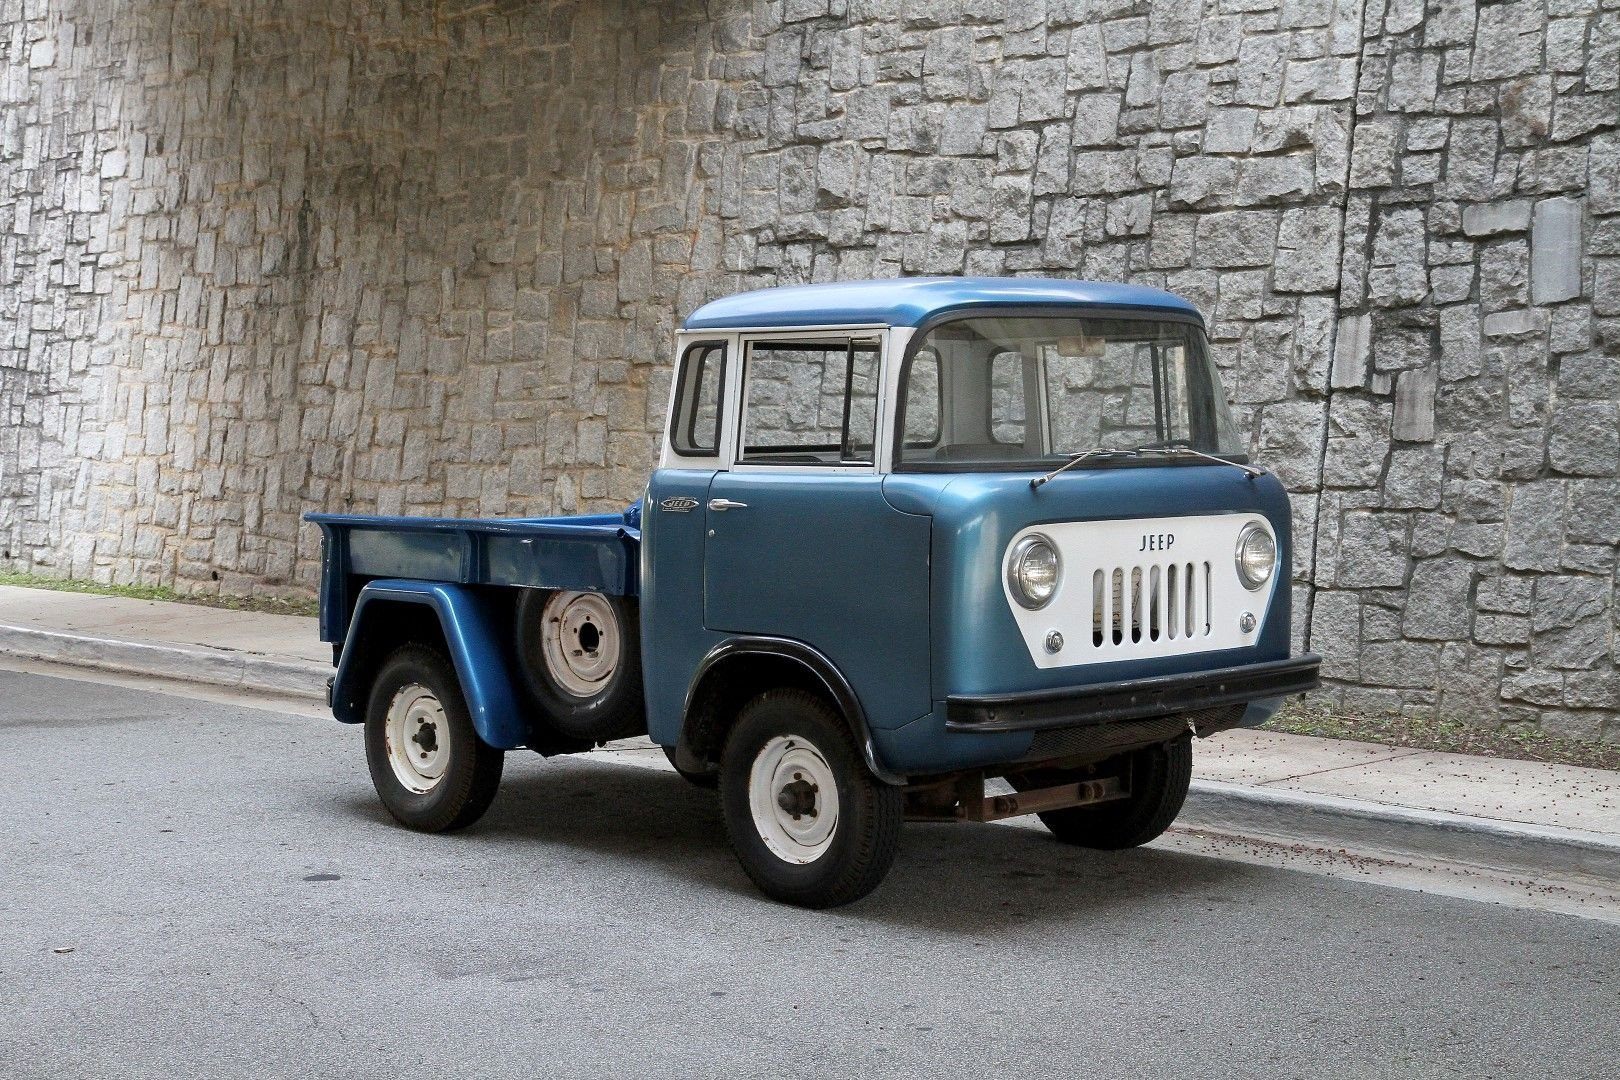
column 190, row 663
column 1257, row 813
column 1335, row 822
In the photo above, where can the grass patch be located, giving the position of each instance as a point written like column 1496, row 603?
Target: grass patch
column 275, row 605
column 1427, row 732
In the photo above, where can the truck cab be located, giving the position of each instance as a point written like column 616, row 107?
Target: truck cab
column 909, row 537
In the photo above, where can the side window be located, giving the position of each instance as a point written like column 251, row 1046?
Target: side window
column 696, row 430
column 810, row 402
column 1007, row 398
column 924, row 401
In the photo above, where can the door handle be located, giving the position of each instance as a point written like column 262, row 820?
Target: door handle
column 726, row 504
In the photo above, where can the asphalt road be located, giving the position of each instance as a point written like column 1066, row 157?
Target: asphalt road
column 198, row 889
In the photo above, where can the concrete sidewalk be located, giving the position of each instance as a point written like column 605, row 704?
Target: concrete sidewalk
column 1257, row 784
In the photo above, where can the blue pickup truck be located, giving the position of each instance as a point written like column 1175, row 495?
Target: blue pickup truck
column 904, row 538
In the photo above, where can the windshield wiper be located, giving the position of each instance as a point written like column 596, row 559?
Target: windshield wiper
column 1250, row 471
column 1075, row 459
column 1180, row 450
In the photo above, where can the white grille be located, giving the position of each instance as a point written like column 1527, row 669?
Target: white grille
column 1152, row 602
column 1143, row 588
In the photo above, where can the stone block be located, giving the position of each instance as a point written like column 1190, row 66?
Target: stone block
column 1555, row 251
column 1412, row 480
column 1594, row 512
column 1570, row 621
column 1492, row 219
column 1401, row 664
column 1352, row 352
column 1372, row 550
column 1585, row 438
column 1335, row 633
column 1508, row 40
column 1535, row 526
column 1237, row 238
column 1439, row 603
column 1308, row 246
column 1414, row 406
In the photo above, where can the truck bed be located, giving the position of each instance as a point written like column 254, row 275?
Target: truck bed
column 595, row 552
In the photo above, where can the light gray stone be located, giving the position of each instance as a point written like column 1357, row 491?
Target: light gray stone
column 1555, row 251
column 1585, row 438
column 1237, row 238
column 1414, row 406
column 1535, row 526
column 1372, row 551
column 1307, row 251
column 1520, row 323
column 1570, row 621
column 1352, row 351
column 1509, row 40
column 1438, row 605
column 1491, row 219
column 1412, row 480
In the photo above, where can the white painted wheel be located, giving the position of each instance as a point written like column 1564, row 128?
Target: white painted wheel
column 418, row 735
column 793, row 796
column 581, row 642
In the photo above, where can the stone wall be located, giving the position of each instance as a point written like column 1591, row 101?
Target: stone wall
column 414, row 257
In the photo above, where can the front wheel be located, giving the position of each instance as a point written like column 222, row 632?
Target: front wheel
column 1159, row 777
column 428, row 764
column 809, row 822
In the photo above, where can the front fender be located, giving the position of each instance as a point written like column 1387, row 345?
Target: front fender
column 477, row 652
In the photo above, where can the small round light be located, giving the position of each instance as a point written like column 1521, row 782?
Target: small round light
column 1247, row 622
column 1054, row 641
column 1032, row 571
column 1256, row 555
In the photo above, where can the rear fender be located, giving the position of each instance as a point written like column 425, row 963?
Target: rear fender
column 469, row 623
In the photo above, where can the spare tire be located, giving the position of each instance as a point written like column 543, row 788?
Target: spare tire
column 581, row 658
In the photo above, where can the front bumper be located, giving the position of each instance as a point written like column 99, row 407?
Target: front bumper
column 1134, row 699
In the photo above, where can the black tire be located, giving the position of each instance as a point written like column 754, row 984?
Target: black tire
column 701, row 779
column 860, row 847
column 469, row 771
column 594, row 710
column 1159, row 778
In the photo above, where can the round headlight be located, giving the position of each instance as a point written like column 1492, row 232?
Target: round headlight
column 1032, row 571
column 1256, row 555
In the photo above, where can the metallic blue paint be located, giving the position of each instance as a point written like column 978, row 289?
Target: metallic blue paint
column 673, row 638
column 913, row 301
column 824, row 559
column 596, row 552
column 480, row 659
column 977, row 648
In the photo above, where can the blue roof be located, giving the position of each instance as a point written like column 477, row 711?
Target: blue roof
column 912, row 301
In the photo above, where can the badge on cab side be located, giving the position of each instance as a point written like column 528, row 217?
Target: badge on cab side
column 678, row 504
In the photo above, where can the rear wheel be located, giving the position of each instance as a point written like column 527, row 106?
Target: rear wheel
column 809, row 822
column 582, row 662
column 428, row 764
column 1159, row 777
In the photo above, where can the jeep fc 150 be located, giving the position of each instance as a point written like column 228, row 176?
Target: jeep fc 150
column 904, row 537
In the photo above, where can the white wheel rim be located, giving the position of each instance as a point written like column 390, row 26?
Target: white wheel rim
column 581, row 642
column 793, row 796
column 418, row 737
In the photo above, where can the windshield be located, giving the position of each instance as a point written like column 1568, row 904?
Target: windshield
column 1032, row 390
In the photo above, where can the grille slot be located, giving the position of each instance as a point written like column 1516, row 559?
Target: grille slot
column 1150, row 602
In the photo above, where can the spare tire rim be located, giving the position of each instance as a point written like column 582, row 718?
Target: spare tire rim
column 793, row 797
column 418, row 737
column 581, row 642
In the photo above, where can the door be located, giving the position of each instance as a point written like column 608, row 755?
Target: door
column 801, row 543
